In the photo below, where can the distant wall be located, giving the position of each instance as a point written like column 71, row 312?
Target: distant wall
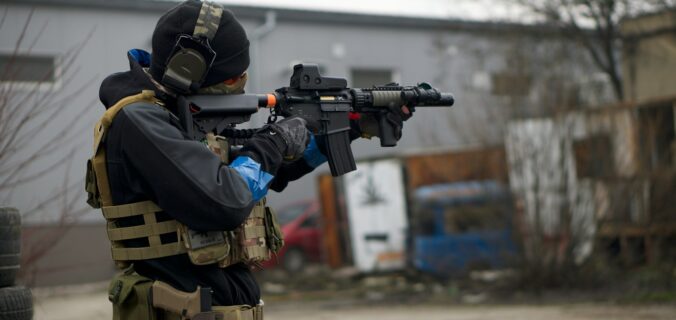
column 466, row 165
column 583, row 169
column 649, row 62
column 65, row 255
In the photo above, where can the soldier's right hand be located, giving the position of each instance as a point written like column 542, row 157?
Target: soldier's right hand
column 291, row 136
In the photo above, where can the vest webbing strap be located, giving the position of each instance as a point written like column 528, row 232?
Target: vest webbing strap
column 163, row 250
column 150, row 229
column 149, row 219
column 254, row 232
column 142, row 231
column 129, row 210
column 257, row 251
column 99, row 159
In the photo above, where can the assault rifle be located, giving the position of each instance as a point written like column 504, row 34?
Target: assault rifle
column 324, row 101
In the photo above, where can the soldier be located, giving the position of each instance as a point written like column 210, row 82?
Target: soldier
column 184, row 225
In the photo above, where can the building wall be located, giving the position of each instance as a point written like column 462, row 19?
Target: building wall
column 649, row 62
column 57, row 255
column 577, row 171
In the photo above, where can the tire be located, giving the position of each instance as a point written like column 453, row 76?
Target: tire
column 9, row 217
column 8, row 275
column 16, row 303
column 10, row 245
column 9, row 233
column 294, row 260
column 9, row 259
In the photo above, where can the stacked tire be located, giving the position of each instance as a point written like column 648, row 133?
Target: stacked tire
column 16, row 302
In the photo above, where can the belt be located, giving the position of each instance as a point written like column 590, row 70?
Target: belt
column 242, row 312
column 239, row 312
column 175, row 304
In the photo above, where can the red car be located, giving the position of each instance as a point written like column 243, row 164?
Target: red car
column 300, row 226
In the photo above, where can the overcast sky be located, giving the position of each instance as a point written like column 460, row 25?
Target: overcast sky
column 457, row 9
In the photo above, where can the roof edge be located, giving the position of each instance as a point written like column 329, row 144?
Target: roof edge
column 305, row 15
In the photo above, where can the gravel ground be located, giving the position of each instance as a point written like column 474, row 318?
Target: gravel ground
column 485, row 312
column 93, row 304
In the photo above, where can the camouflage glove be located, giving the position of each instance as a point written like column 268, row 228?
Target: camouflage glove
column 293, row 134
column 367, row 125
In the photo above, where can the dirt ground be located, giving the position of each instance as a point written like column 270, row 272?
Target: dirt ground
column 93, row 304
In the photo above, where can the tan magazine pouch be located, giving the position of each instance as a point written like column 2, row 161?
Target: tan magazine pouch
column 205, row 247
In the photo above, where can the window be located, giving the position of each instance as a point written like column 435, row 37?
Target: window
column 311, row 221
column 24, row 68
column 423, row 223
column 475, row 218
column 367, row 78
column 489, row 215
column 290, row 213
column 594, row 157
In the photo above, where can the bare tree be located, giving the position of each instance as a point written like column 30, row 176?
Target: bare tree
column 32, row 130
column 595, row 24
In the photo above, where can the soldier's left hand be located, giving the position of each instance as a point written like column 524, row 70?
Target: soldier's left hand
column 366, row 126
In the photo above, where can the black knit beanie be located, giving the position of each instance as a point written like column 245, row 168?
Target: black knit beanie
column 230, row 42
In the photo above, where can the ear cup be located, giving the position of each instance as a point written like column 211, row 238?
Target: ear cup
column 185, row 69
column 192, row 56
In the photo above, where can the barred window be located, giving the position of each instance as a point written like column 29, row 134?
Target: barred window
column 27, row 68
column 594, row 157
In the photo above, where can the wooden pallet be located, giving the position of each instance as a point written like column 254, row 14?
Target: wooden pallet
column 651, row 236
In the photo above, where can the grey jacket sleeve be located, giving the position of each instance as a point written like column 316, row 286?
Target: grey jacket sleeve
column 186, row 179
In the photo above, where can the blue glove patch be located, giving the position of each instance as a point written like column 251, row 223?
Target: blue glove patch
column 257, row 179
column 140, row 56
column 313, row 157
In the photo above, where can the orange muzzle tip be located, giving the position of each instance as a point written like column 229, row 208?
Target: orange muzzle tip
column 272, row 100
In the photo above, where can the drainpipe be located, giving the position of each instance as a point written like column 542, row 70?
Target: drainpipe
column 256, row 36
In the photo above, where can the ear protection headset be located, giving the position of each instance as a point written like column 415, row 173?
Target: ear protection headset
column 192, row 56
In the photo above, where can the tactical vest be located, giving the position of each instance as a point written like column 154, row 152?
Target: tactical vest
column 251, row 243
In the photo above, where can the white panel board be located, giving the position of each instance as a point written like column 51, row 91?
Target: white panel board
column 377, row 215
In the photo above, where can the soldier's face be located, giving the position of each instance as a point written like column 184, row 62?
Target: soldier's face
column 231, row 86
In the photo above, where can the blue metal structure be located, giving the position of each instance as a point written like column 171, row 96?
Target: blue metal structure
column 479, row 243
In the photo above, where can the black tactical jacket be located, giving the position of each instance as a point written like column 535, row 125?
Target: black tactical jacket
column 149, row 157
